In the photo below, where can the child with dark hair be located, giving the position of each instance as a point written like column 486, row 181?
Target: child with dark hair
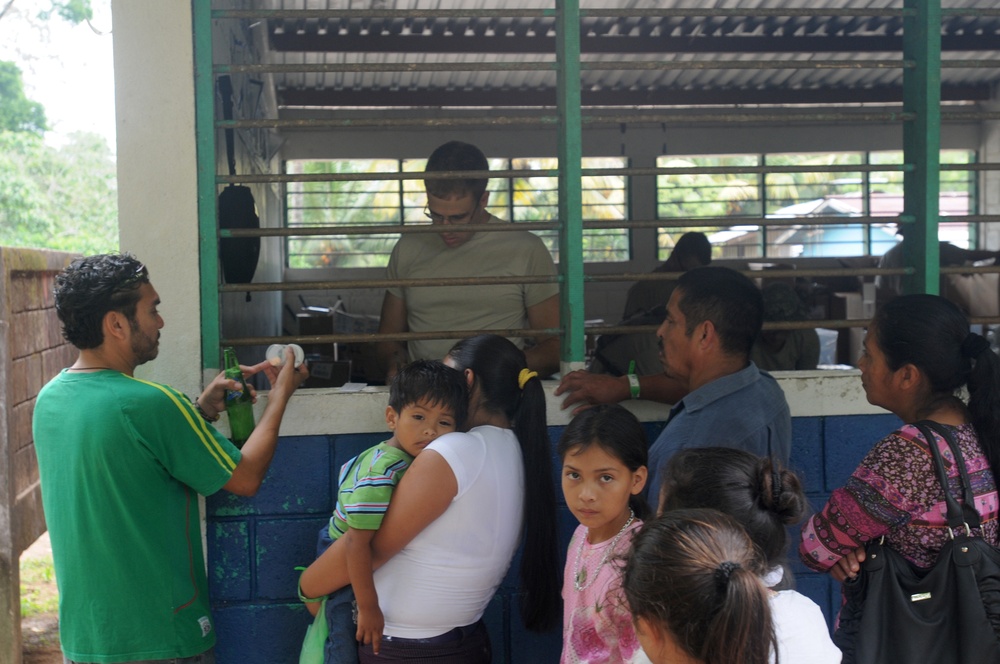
column 692, row 580
column 426, row 400
column 764, row 498
column 603, row 452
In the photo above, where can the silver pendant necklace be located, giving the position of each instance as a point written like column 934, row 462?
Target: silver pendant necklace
column 580, row 580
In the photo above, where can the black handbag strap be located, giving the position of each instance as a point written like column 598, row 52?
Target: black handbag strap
column 958, row 516
column 972, row 517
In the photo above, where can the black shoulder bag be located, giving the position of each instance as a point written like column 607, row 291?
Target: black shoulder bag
column 947, row 614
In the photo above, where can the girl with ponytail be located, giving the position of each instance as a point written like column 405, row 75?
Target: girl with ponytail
column 692, row 581
column 765, row 499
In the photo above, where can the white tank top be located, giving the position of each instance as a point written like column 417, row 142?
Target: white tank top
column 448, row 574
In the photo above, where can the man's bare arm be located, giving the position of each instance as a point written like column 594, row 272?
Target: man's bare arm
column 585, row 389
column 392, row 354
column 543, row 357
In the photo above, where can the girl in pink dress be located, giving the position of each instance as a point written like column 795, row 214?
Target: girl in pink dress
column 603, row 452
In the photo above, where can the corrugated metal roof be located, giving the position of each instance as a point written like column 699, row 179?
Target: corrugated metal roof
column 721, row 57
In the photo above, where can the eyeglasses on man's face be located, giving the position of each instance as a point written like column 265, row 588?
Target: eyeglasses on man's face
column 453, row 219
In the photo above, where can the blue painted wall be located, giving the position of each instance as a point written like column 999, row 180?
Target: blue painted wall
column 255, row 544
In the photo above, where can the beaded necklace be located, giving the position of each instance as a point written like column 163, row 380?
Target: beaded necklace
column 580, row 580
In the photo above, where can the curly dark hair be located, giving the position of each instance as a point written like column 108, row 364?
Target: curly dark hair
column 92, row 286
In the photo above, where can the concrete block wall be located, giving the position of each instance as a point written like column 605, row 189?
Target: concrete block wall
column 255, row 544
column 32, row 350
column 825, row 450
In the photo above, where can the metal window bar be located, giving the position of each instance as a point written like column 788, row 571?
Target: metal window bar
column 921, row 56
column 549, row 13
column 685, row 65
column 762, row 216
column 598, row 119
column 509, row 176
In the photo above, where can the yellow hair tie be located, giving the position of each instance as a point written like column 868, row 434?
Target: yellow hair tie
column 525, row 376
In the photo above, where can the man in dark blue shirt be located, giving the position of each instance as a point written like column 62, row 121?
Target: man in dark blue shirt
column 720, row 397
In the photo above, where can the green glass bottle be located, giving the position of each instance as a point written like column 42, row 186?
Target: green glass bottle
column 239, row 404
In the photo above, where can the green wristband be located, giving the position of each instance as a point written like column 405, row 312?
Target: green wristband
column 633, row 385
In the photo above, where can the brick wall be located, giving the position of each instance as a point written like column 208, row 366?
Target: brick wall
column 255, row 544
column 33, row 351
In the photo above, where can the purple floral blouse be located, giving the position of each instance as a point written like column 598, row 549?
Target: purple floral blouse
column 895, row 492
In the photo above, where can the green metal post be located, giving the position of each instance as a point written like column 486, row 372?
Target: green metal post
column 208, row 239
column 570, row 180
column 866, row 198
column 922, row 142
column 762, row 191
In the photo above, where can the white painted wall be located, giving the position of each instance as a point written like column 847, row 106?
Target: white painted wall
column 157, row 183
column 329, row 411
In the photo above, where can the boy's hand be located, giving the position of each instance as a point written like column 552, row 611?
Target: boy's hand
column 371, row 622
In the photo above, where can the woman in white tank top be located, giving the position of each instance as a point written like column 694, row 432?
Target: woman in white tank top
column 457, row 517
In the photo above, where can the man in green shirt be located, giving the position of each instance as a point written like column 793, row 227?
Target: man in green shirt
column 122, row 461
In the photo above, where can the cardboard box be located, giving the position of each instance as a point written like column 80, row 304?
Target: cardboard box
column 851, row 306
column 324, row 371
column 315, row 323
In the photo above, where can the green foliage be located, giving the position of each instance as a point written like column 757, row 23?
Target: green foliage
column 344, row 203
column 38, row 589
column 17, row 112
column 63, row 199
column 728, row 192
column 74, row 11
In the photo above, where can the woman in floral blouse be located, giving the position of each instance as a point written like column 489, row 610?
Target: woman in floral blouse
column 918, row 354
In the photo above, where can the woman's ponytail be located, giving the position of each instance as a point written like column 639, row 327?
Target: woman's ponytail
column 695, row 574
column 984, row 396
column 507, row 386
column 541, row 603
column 741, row 630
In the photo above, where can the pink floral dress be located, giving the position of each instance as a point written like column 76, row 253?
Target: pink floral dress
column 597, row 625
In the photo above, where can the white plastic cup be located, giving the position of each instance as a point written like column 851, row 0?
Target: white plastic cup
column 276, row 354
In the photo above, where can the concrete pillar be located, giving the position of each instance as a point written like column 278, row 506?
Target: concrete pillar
column 33, row 352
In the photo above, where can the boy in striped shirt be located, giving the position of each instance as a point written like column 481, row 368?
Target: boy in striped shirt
column 426, row 399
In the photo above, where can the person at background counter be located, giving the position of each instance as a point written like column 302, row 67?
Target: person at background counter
column 465, row 248
column 720, row 397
